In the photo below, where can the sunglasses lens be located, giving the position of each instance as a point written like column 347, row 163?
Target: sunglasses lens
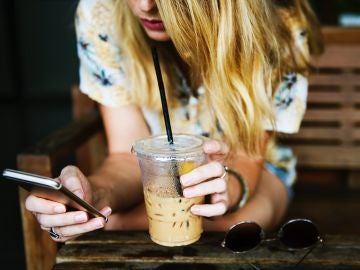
column 243, row 237
column 299, row 234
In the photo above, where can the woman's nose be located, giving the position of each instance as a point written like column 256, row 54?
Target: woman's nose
column 147, row 5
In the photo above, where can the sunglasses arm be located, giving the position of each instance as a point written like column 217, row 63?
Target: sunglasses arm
column 320, row 241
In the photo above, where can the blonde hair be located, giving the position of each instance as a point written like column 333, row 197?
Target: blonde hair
column 138, row 66
column 232, row 46
column 299, row 19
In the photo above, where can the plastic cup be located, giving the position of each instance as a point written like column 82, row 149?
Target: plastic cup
column 171, row 222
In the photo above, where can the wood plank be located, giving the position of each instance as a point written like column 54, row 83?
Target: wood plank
column 331, row 97
column 339, row 56
column 332, row 115
column 355, row 133
column 90, row 154
column 40, row 249
column 64, row 141
column 341, row 35
column 344, row 79
column 327, row 156
column 338, row 250
column 318, row 133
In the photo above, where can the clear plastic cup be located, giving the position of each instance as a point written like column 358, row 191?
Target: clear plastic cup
column 171, row 222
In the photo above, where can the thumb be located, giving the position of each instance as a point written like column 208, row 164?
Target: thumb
column 70, row 177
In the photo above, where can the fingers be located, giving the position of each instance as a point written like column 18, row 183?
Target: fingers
column 73, row 231
column 72, row 178
column 91, row 225
column 210, row 210
column 218, row 185
column 202, row 173
column 71, row 224
column 106, row 211
column 36, row 204
column 66, row 219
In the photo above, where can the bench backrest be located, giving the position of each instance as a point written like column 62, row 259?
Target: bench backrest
column 330, row 133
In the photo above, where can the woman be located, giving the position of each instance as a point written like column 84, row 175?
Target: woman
column 234, row 71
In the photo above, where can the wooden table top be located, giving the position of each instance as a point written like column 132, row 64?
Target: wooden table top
column 135, row 250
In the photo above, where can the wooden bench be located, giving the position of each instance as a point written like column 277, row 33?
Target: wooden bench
column 328, row 144
column 330, row 133
column 134, row 250
column 336, row 138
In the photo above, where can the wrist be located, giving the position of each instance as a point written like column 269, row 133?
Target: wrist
column 243, row 190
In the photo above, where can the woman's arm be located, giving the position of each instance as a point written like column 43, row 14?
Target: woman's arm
column 117, row 182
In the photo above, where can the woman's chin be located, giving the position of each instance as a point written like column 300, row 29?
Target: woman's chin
column 157, row 35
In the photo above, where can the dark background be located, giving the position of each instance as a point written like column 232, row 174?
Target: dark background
column 38, row 66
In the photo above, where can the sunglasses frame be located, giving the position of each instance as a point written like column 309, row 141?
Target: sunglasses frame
column 278, row 234
column 319, row 239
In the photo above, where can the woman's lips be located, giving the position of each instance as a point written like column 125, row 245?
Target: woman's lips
column 155, row 25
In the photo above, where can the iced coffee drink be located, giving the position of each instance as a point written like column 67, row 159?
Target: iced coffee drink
column 171, row 222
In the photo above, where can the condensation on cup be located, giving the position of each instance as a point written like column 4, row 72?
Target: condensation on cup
column 171, row 222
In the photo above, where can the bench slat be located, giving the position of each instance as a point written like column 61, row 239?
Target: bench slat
column 346, row 79
column 328, row 156
column 340, row 56
column 318, row 133
column 329, row 97
column 325, row 133
column 332, row 115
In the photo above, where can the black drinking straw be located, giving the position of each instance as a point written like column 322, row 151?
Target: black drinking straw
column 165, row 112
column 162, row 95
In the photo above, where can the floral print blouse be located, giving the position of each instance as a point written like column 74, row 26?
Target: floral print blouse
column 103, row 80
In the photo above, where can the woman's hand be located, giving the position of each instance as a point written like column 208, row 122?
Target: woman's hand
column 53, row 215
column 209, row 179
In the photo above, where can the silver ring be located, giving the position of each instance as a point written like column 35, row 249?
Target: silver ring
column 225, row 172
column 53, row 234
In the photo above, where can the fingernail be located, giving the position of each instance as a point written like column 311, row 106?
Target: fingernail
column 98, row 224
column 185, row 180
column 59, row 209
column 81, row 217
column 195, row 210
column 188, row 193
column 106, row 211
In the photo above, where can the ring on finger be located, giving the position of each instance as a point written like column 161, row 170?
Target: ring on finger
column 225, row 172
column 54, row 234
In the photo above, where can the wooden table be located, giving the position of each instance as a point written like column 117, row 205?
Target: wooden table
column 135, row 250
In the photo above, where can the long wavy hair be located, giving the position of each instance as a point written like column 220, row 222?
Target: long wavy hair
column 233, row 47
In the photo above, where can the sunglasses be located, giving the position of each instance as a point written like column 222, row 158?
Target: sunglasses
column 295, row 234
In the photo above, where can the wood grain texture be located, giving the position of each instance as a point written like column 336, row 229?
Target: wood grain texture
column 341, row 35
column 40, row 250
column 135, row 249
column 329, row 136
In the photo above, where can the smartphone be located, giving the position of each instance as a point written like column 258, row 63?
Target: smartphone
column 48, row 188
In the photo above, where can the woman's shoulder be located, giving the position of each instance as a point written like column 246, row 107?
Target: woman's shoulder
column 88, row 5
column 96, row 12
